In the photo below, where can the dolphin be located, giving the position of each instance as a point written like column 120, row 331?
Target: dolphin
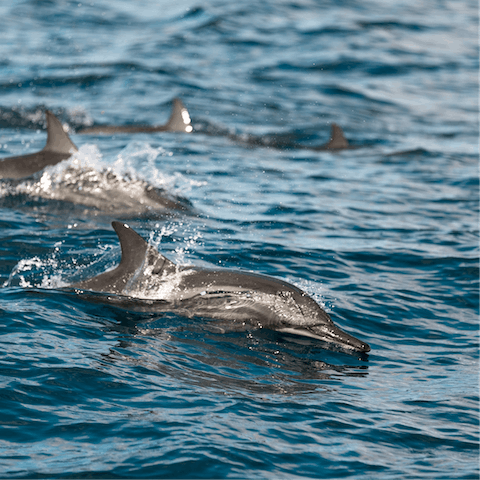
column 239, row 300
column 179, row 121
column 336, row 142
column 59, row 147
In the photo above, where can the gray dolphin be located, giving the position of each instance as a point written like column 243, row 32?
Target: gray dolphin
column 239, row 300
column 179, row 121
column 59, row 147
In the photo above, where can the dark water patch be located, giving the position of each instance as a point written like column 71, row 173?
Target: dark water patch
column 83, row 81
column 393, row 25
column 373, row 68
column 80, row 15
column 20, row 117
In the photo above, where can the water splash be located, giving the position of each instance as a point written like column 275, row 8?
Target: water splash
column 37, row 272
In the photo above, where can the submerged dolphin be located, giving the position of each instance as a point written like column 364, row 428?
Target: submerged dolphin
column 179, row 121
column 59, row 147
column 239, row 299
column 337, row 141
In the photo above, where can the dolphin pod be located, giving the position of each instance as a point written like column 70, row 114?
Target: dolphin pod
column 58, row 147
column 179, row 121
column 238, row 300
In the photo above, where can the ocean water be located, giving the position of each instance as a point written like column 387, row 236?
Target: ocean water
column 385, row 237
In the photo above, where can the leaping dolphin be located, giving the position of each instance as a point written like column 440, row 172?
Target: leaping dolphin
column 179, row 121
column 239, row 300
column 59, row 147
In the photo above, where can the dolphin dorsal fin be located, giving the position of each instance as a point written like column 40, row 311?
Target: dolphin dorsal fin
column 137, row 253
column 179, row 120
column 57, row 139
column 133, row 246
column 337, row 138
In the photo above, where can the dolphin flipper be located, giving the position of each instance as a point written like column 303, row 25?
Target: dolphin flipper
column 179, row 120
column 337, row 138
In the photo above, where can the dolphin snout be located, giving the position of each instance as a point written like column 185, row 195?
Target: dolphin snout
column 335, row 335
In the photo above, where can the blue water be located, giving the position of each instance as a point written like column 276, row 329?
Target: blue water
column 388, row 244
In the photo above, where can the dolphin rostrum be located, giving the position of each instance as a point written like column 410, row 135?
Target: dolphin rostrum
column 59, row 147
column 240, row 300
column 179, row 121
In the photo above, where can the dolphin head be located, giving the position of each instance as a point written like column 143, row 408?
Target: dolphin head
column 310, row 320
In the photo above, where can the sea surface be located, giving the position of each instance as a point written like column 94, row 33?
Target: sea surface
column 385, row 237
